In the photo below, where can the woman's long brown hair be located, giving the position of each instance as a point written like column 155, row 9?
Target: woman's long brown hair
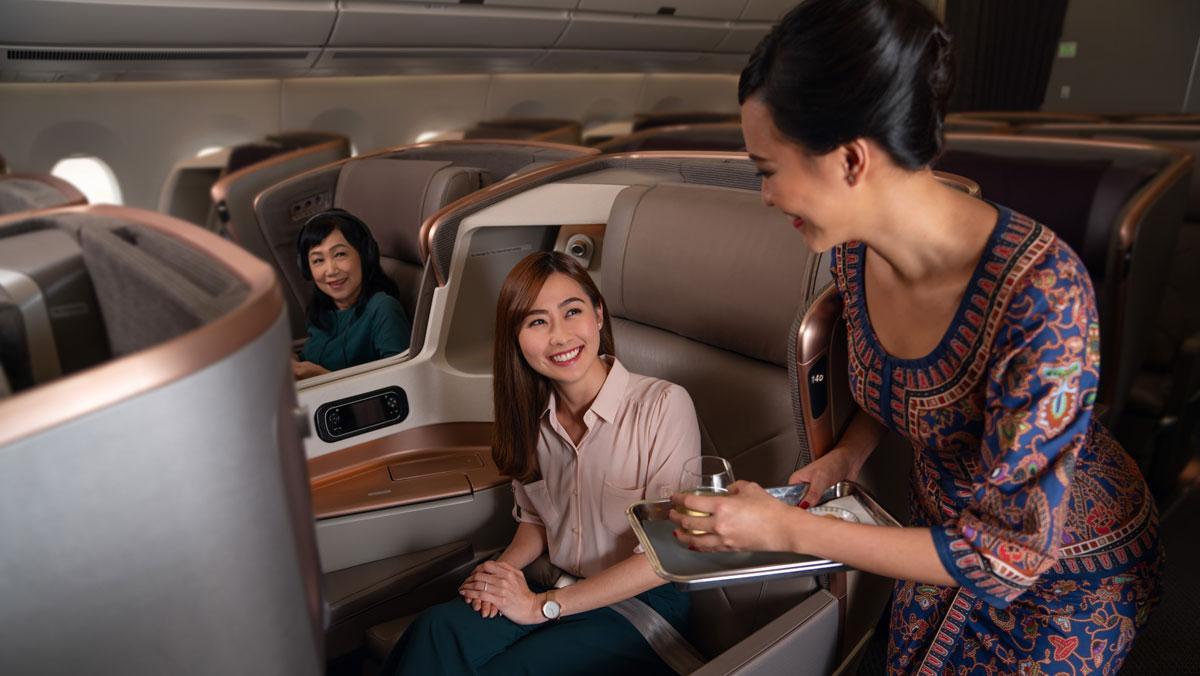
column 520, row 394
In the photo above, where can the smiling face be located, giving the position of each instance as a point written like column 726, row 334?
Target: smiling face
column 560, row 336
column 811, row 189
column 337, row 269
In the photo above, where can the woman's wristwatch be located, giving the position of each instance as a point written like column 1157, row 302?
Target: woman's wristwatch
column 551, row 610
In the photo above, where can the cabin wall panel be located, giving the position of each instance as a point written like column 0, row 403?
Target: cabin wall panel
column 380, row 112
column 139, row 129
column 590, row 99
column 1132, row 57
column 677, row 92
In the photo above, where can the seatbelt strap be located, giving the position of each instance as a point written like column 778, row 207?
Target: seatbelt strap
column 664, row 639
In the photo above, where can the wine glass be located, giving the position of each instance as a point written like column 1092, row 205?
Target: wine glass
column 708, row 475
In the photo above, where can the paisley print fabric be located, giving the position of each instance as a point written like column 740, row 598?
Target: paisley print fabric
column 1035, row 510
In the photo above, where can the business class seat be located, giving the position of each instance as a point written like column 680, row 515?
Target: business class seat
column 708, row 136
column 154, row 506
column 672, row 119
column 549, row 130
column 255, row 167
column 1117, row 204
column 26, row 192
column 1017, row 118
column 394, row 192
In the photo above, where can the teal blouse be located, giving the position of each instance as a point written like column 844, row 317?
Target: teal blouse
column 382, row 330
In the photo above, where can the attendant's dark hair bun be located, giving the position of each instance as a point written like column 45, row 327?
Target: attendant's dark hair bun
column 835, row 70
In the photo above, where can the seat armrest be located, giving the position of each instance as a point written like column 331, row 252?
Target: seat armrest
column 802, row 641
column 352, row 590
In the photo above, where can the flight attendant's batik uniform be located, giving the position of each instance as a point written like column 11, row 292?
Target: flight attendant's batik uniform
column 1036, row 511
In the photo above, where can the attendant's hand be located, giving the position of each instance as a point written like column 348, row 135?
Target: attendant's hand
column 746, row 519
column 503, row 586
column 839, row 464
column 306, row 369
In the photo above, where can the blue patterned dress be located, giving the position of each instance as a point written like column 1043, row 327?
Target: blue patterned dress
column 1036, row 511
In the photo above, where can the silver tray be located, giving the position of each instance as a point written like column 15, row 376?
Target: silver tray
column 692, row 571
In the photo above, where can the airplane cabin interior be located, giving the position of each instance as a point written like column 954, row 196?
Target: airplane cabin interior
column 174, row 500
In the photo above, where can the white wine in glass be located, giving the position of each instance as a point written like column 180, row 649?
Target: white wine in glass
column 706, row 475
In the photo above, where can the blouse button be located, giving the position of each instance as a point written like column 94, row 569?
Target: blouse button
column 575, row 531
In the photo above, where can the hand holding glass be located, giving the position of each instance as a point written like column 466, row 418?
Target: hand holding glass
column 707, row 475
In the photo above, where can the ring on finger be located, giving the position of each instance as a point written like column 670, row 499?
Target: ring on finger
column 485, row 586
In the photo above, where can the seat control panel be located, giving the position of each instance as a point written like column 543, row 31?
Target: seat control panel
column 362, row 413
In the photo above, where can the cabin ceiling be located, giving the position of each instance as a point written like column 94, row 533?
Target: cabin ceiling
column 100, row 40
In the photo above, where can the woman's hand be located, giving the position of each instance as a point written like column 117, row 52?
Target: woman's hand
column 747, row 519
column 306, row 369
column 485, row 609
column 503, row 587
column 839, row 464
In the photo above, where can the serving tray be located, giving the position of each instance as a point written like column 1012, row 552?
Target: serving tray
column 692, row 571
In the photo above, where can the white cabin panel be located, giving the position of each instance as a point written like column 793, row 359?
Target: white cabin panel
column 140, row 129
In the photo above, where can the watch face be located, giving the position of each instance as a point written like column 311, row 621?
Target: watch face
column 551, row 609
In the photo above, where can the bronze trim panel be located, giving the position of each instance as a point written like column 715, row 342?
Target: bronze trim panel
column 58, row 402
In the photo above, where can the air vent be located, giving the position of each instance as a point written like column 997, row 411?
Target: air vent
column 149, row 55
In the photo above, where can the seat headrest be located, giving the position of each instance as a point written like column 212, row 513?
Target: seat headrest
column 711, row 264
column 1083, row 208
column 395, row 196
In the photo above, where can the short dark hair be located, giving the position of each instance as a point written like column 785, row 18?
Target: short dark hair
column 835, row 70
column 374, row 279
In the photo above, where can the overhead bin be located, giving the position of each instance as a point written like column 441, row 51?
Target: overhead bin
column 626, row 32
column 202, row 23
column 703, row 9
column 743, row 38
column 542, row 4
column 766, row 10
column 392, row 24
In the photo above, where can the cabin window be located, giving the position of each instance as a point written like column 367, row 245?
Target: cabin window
column 92, row 176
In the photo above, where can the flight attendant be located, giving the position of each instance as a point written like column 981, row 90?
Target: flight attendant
column 973, row 333
column 582, row 439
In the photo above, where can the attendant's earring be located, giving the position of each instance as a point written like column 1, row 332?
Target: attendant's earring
column 851, row 178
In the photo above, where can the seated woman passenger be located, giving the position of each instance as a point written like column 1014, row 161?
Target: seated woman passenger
column 582, row 439
column 353, row 317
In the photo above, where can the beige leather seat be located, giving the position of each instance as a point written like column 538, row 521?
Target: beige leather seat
column 254, row 167
column 393, row 192
column 1117, row 204
column 549, row 130
column 1016, row 118
column 725, row 136
column 27, row 192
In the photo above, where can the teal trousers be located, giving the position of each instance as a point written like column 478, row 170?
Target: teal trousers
column 451, row 638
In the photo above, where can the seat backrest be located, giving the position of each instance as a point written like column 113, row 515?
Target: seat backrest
column 1185, row 136
column 167, row 483
column 281, row 209
column 1021, row 117
column 703, row 285
column 394, row 197
column 670, row 119
column 26, row 192
column 1118, row 205
column 711, row 136
column 550, row 130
